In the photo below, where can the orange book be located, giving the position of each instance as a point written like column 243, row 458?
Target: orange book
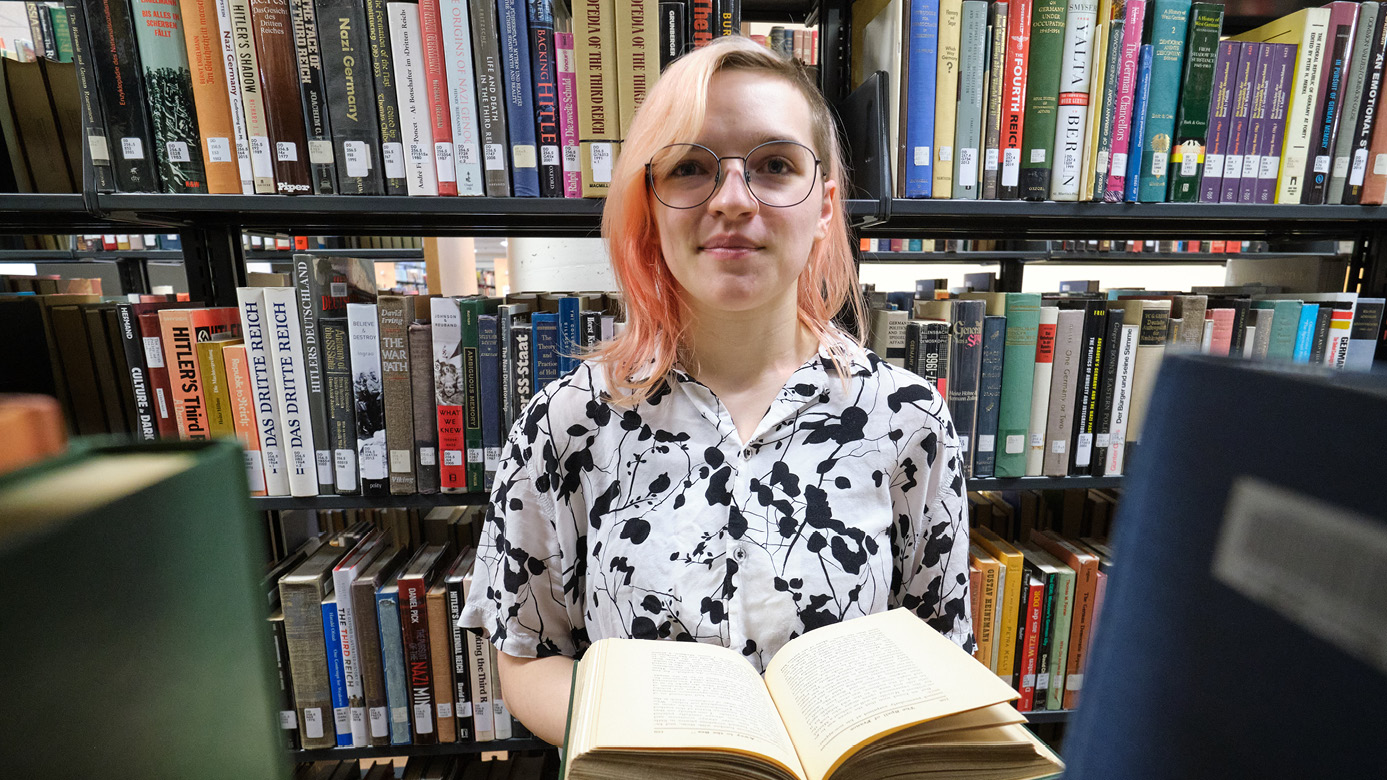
column 242, row 394
column 201, row 37
column 1085, row 566
column 180, row 330
column 975, row 597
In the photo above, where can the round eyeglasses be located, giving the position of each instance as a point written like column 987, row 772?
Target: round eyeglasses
column 777, row 173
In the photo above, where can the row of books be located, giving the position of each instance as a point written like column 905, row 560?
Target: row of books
column 50, row 34
column 1094, row 245
column 370, row 654
column 524, row 766
column 439, row 97
column 1058, row 384
column 1071, row 512
column 1129, row 100
column 40, row 127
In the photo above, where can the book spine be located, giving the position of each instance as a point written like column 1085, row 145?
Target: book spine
column 472, row 404
column 411, row 95
column 491, row 101
column 501, row 715
column 435, row 91
column 1192, row 123
column 489, row 371
column 252, row 305
column 1014, row 98
column 996, row 80
column 1128, row 67
column 372, row 455
column 989, row 395
column 1064, row 387
column 506, row 369
column 934, row 355
column 462, row 96
column 544, row 64
column 242, row 396
column 393, row 663
column 419, row 672
column 568, row 115
column 1093, row 120
column 946, row 97
column 230, row 21
column 449, row 393
column 1238, row 120
column 351, row 97
column 1363, row 338
column 1320, row 341
column 568, row 334
column 673, row 39
column 1305, row 332
column 45, row 40
column 288, row 715
column 1285, row 320
column 1131, row 183
column 702, row 23
column 1169, row 28
column 313, row 98
column 286, row 351
column 394, row 322
column 392, row 149
column 1258, row 127
column 425, row 410
column 522, row 351
column 337, row 687
column 168, row 85
column 313, row 370
column 1230, row 55
column 971, row 84
column 1367, row 121
column 340, row 405
column 309, row 664
column 1086, row 397
column 636, row 58
column 1071, row 111
column 366, row 637
column 1042, row 95
column 207, row 74
column 1018, row 373
column 1338, row 48
column 180, row 354
column 594, row 41
column 1340, row 326
column 441, row 660
column 514, row 37
column 462, row 684
column 1033, row 612
column 116, row 68
column 1300, row 115
column 1059, row 639
column 1355, row 91
column 919, row 98
column 275, row 55
column 1045, row 653
column 93, row 125
column 965, row 374
column 1112, row 81
column 1122, row 394
column 1151, row 338
column 1040, row 390
column 545, row 349
column 146, row 426
column 350, row 642
column 1102, row 424
column 217, row 401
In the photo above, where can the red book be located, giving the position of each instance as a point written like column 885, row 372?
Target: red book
column 415, row 579
column 1033, row 611
column 157, row 372
column 436, row 89
column 702, row 23
column 450, row 392
column 181, row 330
column 1014, row 98
column 1222, row 342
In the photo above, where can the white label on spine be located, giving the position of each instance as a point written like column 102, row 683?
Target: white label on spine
column 261, row 163
column 445, row 709
column 132, row 148
column 549, row 155
column 986, row 443
column 1213, row 165
column 1073, row 682
column 570, row 158
column 1037, row 440
column 400, row 715
column 523, row 156
column 493, row 458
column 286, row 151
column 475, row 455
column 1232, row 166
column 1360, row 167
column 1119, row 164
column 1101, row 440
column 418, row 153
column 1189, row 165
column 342, row 717
column 1158, row 163
column 600, row 156
column 1042, row 680
column 452, row 457
column 1340, row 167
column 989, row 160
column 380, row 724
column 1251, row 165
column 428, row 456
column 1058, row 446
column 1016, row 443
column 1102, row 162
column 922, row 155
column 963, row 443
column 1083, row 449
column 443, row 162
column 219, row 150
column 467, row 154
column 101, row 152
column 1027, row 680
column 153, row 352
column 393, row 155
column 337, row 289
column 1037, row 155
column 320, row 152
column 288, row 720
column 1270, row 163
column 399, row 461
column 946, row 154
column 1321, row 163
column 345, row 461
column 967, row 167
column 357, row 158
column 255, row 470
column 1011, row 167
column 495, row 157
column 313, row 722
column 1380, row 165
column 423, row 718
column 463, row 709
column 324, row 467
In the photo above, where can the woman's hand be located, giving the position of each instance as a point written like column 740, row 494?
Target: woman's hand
column 536, row 691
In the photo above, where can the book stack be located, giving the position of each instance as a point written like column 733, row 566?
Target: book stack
column 1058, row 384
column 487, row 98
column 521, row 766
column 1129, row 100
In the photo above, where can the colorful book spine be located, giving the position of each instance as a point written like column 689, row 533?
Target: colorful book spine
column 1280, row 80
column 337, row 680
column 279, row 83
column 1340, row 327
column 568, row 334
column 516, row 78
column 1122, row 400
column 568, row 116
column 436, row 92
column 414, row 625
column 1037, row 424
column 1338, row 51
column 1354, row 93
column 1169, row 28
column 1112, row 80
column 235, row 93
column 207, row 72
column 253, row 100
column 1220, row 119
column 971, row 84
column 411, row 95
column 1018, row 373
column 472, row 309
column 1258, row 127
column 351, row 97
column 313, row 97
column 920, row 107
column 965, row 374
column 1137, row 135
column 392, row 659
column 1014, row 98
column 1305, row 332
column 168, row 84
column 1192, row 121
column 253, row 329
column 545, row 348
column 1367, row 120
column 1128, row 68
column 462, row 96
column 1238, row 121
column 1042, row 95
column 996, row 81
column 449, row 393
column 989, row 394
column 1072, row 108
column 392, row 150
column 544, row 66
column 242, row 391
column 946, row 97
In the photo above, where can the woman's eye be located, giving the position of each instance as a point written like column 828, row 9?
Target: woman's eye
column 687, row 169
column 776, row 166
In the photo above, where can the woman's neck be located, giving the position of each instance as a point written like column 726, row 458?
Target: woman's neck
column 736, row 350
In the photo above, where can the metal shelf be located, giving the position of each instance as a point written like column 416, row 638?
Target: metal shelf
column 442, row 749
column 287, row 255
column 1041, row 483
column 1048, row 716
column 42, row 213
column 415, row 500
column 1062, row 257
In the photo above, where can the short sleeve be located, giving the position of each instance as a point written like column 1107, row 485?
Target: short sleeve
column 930, row 533
column 525, row 594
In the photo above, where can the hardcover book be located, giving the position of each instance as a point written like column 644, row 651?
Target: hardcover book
column 461, row 642
column 636, row 58
column 372, row 456
column 1042, row 94
column 491, row 98
column 344, row 576
column 417, row 576
column 279, row 82
column 1018, row 374
column 1014, row 98
column 568, row 113
column 424, row 406
column 1192, row 122
column 242, row 393
column 441, row 661
column 313, row 97
column 449, row 393
column 1279, row 86
column 544, row 63
column 965, row 373
column 989, row 394
column 1169, row 27
column 918, row 101
column 1363, row 133
column 972, row 84
column 396, row 313
column 946, row 97
column 1072, row 105
column 1127, row 70
column 996, row 81
column 518, row 91
column 411, row 94
column 207, row 74
column 594, row 40
column 95, row 140
column 1238, row 122
column 438, row 108
column 365, row 620
column 1225, row 87
column 393, row 659
column 1064, row 388
column 110, row 28
column 1107, row 120
column 351, row 97
column 1355, row 91
column 1338, row 51
column 313, row 280
column 1037, row 425
column 253, row 99
column 168, row 85
column 254, row 324
column 392, row 150
column 286, row 354
column 462, row 96
column 302, row 593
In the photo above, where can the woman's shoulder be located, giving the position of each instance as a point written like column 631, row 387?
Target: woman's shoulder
column 907, row 395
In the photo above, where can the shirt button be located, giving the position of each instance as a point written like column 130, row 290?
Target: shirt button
column 739, row 554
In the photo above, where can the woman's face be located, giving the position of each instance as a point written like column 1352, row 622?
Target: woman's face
column 733, row 253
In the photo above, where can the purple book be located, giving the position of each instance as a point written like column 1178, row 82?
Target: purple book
column 1258, row 119
column 1220, row 112
column 1237, row 126
column 1281, row 76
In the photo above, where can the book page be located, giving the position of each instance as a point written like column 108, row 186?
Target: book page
column 840, row 686
column 685, row 695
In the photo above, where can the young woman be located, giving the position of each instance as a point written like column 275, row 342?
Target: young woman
column 733, row 468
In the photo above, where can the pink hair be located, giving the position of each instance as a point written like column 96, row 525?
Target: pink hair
column 637, row 361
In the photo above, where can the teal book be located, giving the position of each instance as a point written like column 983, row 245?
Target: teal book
column 1305, row 332
column 1018, row 375
column 1169, row 24
column 1285, row 320
column 168, row 83
column 1192, row 122
column 968, row 129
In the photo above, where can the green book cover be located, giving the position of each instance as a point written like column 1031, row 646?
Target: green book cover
column 1284, row 321
column 1192, row 123
column 169, row 89
column 1169, row 23
column 62, row 32
column 1042, row 97
column 1018, row 374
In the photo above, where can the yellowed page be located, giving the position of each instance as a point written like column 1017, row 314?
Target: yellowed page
column 840, row 686
column 685, row 695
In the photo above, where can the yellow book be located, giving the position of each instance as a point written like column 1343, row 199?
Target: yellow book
column 1011, row 560
column 946, row 97
column 1308, row 29
column 221, row 418
column 985, row 623
column 637, row 56
column 594, row 50
column 1095, row 111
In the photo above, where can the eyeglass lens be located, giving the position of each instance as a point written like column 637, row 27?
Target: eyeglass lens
column 780, row 174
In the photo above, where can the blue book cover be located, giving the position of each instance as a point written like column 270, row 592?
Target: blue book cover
column 1168, row 26
column 514, row 29
column 1138, row 135
column 994, row 331
column 392, row 657
column 922, row 63
column 489, row 356
column 544, row 348
column 1305, row 332
column 337, row 675
column 568, row 333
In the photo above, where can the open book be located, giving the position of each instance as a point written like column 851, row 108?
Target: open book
column 882, row 696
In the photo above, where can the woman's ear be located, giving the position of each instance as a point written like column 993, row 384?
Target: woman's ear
column 826, row 210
